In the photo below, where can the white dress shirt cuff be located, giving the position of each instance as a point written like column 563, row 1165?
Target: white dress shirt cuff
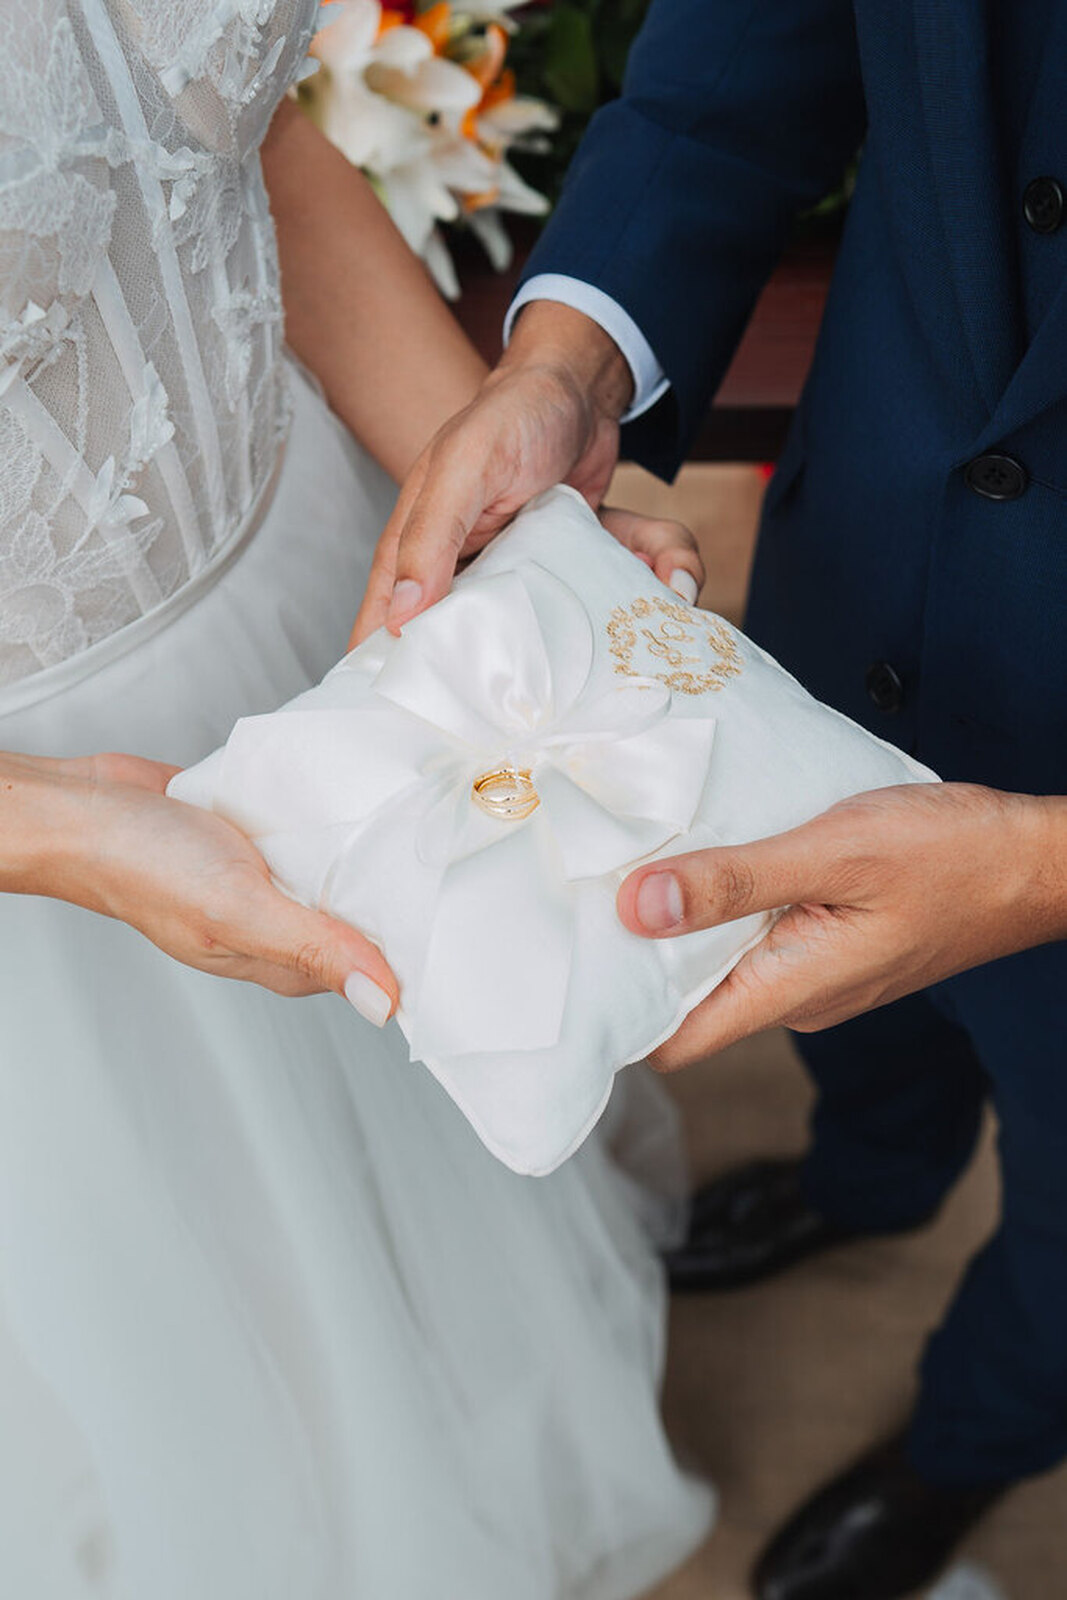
column 650, row 382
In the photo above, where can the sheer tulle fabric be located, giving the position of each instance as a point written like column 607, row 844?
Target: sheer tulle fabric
column 272, row 1322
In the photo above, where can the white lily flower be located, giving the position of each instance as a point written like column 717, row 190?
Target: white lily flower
column 442, row 268
column 349, row 29
column 463, row 165
column 489, row 230
column 364, row 125
column 417, row 199
column 485, row 222
column 432, row 133
column 372, row 132
column 423, row 191
column 402, row 49
column 432, row 86
column 492, row 11
column 515, row 194
column 400, row 65
column 513, row 119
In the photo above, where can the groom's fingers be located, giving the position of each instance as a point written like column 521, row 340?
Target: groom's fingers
column 470, row 482
column 379, row 591
column 449, row 507
column 441, row 504
column 826, row 862
column 774, row 985
column 743, row 1004
column 801, row 973
column 375, row 604
column 811, row 970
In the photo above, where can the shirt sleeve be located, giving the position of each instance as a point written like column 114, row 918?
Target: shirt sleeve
column 650, row 381
column 735, row 115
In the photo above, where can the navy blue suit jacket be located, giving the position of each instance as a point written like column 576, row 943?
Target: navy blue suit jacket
column 945, row 336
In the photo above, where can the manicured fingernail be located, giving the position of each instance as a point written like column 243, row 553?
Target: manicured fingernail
column 406, row 597
column 369, row 1000
column 659, row 903
column 683, row 583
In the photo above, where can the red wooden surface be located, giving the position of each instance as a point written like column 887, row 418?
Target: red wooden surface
column 751, row 411
column 773, row 358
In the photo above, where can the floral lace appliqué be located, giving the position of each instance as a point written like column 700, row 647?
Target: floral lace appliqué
column 141, row 393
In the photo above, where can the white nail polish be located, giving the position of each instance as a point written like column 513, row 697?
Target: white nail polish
column 683, row 583
column 369, row 999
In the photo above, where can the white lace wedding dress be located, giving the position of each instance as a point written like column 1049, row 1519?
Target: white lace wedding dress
column 273, row 1325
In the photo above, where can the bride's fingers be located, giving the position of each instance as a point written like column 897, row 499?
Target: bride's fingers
column 323, row 953
column 668, row 547
column 137, row 771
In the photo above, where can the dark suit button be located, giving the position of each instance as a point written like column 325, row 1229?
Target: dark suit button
column 1043, row 205
column 885, row 687
column 996, row 477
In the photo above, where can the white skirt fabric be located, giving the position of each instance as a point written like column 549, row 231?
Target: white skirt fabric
column 273, row 1324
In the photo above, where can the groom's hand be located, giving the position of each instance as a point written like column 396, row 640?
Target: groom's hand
column 888, row 892
column 549, row 413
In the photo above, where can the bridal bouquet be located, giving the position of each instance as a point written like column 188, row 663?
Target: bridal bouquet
column 472, row 793
column 420, row 98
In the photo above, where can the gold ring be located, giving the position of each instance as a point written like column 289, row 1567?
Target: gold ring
column 506, row 792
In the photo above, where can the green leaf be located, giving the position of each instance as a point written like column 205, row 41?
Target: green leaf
column 616, row 29
column 572, row 76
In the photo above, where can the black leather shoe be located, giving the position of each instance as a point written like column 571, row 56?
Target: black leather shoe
column 876, row 1533
column 749, row 1225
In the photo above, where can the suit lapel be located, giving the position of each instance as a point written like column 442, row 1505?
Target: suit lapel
column 951, row 42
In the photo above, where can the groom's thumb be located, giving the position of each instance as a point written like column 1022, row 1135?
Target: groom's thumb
column 685, row 893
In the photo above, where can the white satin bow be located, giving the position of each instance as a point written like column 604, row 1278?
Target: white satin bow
column 492, row 676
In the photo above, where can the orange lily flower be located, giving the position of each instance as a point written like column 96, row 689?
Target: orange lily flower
column 392, row 17
column 497, row 83
column 436, row 24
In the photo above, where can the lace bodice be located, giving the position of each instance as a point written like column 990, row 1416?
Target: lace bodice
column 141, row 396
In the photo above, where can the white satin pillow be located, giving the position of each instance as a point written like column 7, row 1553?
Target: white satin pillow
column 558, row 671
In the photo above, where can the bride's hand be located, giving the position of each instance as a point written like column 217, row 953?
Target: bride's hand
column 667, row 547
column 100, row 831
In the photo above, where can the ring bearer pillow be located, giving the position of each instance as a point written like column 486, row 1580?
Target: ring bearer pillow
column 471, row 795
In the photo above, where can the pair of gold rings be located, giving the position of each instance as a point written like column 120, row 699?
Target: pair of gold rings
column 507, row 793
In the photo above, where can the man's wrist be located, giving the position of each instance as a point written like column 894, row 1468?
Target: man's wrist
column 548, row 334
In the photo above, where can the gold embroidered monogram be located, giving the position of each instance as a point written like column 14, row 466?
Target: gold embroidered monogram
column 678, row 640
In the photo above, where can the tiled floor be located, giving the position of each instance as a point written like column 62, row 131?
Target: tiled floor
column 771, row 1389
